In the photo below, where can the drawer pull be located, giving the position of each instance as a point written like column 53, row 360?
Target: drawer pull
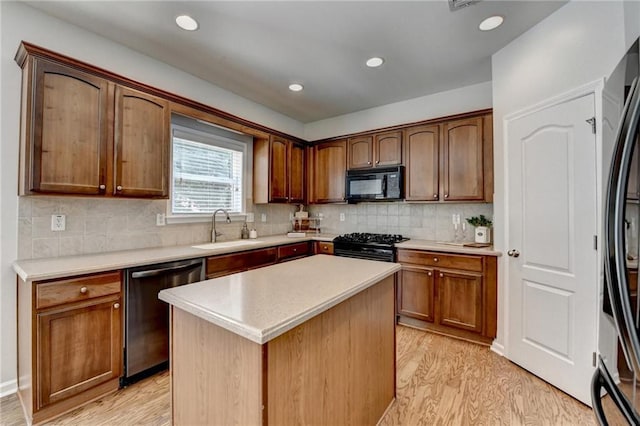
column 435, row 195
column 116, row 305
column 102, row 186
column 441, row 275
column 119, row 188
column 435, row 259
column 446, row 195
column 295, row 250
column 429, row 273
column 83, row 290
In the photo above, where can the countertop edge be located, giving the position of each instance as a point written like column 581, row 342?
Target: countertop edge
column 264, row 336
column 415, row 244
column 146, row 258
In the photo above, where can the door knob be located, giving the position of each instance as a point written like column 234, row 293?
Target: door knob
column 513, row 253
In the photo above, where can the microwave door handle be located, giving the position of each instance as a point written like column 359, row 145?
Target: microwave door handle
column 384, row 186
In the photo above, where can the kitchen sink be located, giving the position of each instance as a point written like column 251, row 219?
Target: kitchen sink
column 225, row 244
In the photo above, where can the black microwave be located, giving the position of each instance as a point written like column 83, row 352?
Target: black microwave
column 379, row 184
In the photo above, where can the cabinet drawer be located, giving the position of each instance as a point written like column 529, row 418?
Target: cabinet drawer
column 237, row 262
column 293, row 250
column 441, row 260
column 76, row 289
column 324, row 248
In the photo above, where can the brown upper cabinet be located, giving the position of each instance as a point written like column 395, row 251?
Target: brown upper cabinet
column 83, row 134
column 450, row 161
column 328, row 164
column 279, row 172
column 377, row 150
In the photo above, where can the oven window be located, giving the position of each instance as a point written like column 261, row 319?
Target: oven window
column 365, row 187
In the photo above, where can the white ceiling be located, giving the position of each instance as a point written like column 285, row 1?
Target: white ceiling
column 256, row 49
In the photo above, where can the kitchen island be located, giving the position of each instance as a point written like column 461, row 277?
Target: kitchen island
column 311, row 341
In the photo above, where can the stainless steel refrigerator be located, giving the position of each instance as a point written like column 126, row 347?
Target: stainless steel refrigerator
column 616, row 381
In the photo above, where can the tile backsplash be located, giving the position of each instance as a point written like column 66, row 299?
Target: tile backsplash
column 424, row 221
column 95, row 225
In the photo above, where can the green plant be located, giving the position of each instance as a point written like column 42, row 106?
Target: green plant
column 479, row 221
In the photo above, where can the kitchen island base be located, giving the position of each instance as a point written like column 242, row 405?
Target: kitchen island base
column 336, row 368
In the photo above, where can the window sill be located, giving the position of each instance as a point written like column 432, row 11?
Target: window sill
column 199, row 218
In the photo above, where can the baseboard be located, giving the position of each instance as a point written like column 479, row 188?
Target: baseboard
column 497, row 348
column 9, row 387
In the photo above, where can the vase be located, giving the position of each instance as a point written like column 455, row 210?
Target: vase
column 482, row 234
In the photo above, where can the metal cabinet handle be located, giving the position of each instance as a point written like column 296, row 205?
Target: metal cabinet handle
column 435, row 195
column 429, row 273
column 368, row 162
column 441, row 275
column 435, row 259
column 378, row 162
column 116, row 305
column 119, row 188
column 102, row 186
column 513, row 253
column 83, row 290
column 295, row 250
column 446, row 195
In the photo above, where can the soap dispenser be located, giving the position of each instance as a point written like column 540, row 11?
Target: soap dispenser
column 244, row 232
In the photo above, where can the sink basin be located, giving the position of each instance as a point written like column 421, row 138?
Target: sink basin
column 225, row 244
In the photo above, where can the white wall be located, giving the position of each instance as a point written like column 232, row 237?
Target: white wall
column 580, row 43
column 21, row 22
column 464, row 99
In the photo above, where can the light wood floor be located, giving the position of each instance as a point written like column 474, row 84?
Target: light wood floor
column 441, row 381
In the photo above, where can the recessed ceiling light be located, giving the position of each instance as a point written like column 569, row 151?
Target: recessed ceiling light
column 374, row 62
column 492, row 22
column 187, row 23
column 295, row 87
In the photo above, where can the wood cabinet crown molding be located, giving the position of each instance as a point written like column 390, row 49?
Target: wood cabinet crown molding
column 26, row 50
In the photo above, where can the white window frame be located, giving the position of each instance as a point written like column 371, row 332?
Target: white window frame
column 217, row 140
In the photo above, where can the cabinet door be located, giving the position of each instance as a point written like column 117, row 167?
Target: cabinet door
column 278, row 181
column 421, row 147
column 142, row 132
column 69, row 131
column 463, row 160
column 416, row 293
column 78, row 348
column 296, row 174
column 329, row 169
column 460, row 300
column 388, row 148
column 360, row 152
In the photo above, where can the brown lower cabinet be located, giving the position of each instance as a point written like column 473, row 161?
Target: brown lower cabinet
column 226, row 264
column 69, row 342
column 322, row 247
column 448, row 293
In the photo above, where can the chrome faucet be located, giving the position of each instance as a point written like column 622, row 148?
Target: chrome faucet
column 215, row 234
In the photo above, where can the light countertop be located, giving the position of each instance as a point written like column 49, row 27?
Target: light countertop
column 264, row 303
column 448, row 247
column 57, row 267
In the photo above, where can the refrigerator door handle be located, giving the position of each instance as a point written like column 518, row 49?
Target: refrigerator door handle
column 602, row 379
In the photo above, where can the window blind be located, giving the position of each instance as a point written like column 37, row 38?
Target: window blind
column 206, row 175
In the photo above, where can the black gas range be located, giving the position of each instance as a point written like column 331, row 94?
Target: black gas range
column 367, row 246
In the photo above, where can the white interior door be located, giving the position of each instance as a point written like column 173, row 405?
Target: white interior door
column 552, row 224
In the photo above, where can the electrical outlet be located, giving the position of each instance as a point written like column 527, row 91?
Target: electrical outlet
column 58, row 222
column 263, row 217
column 290, row 216
column 250, row 218
column 341, row 217
column 160, row 219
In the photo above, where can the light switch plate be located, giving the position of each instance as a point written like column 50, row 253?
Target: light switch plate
column 263, row 217
column 342, row 217
column 58, row 222
column 160, row 219
column 250, row 218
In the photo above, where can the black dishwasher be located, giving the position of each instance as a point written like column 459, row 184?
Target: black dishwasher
column 146, row 324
